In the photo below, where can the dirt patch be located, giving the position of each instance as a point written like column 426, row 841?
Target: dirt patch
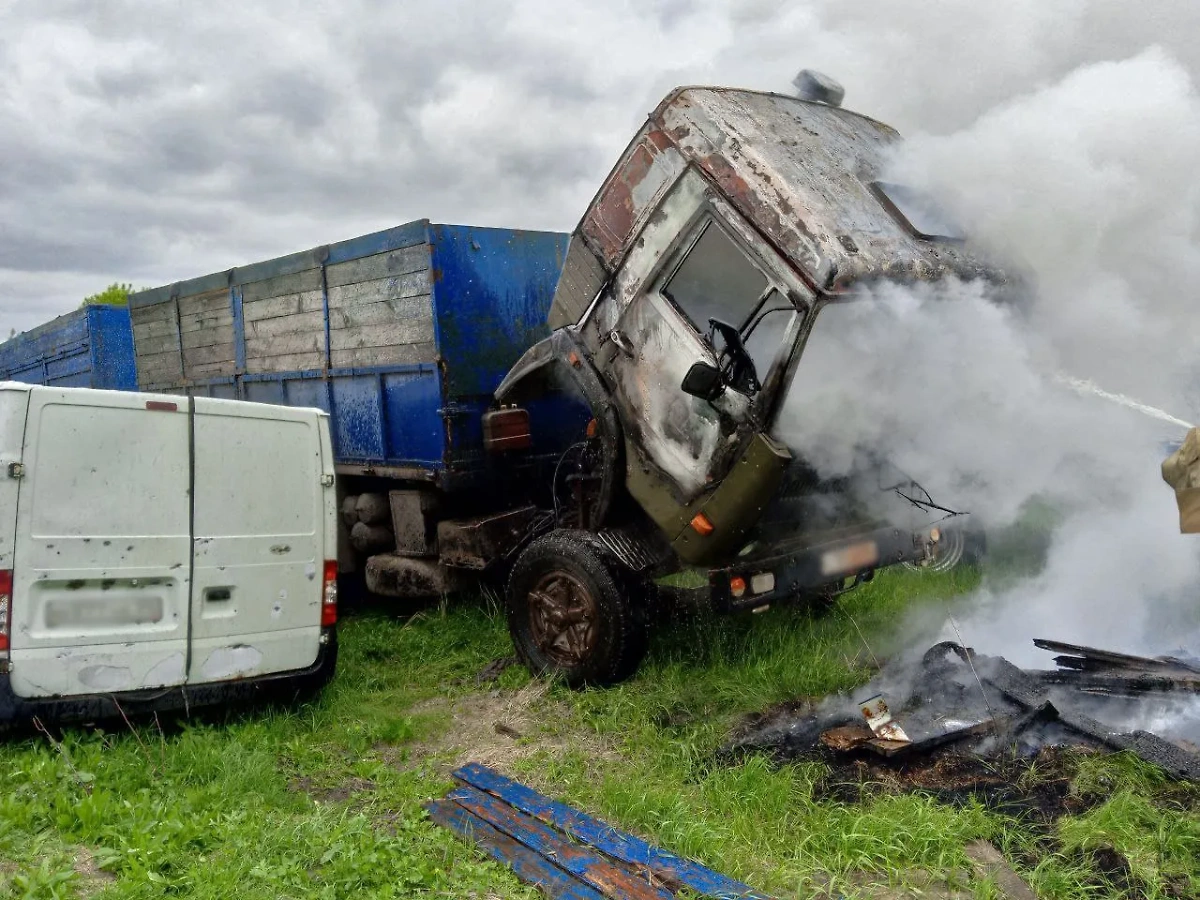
column 331, row 793
column 92, row 879
column 497, row 728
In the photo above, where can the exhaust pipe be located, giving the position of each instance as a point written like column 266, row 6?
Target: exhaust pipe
column 818, row 88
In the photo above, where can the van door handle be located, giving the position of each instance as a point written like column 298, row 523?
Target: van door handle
column 214, row 595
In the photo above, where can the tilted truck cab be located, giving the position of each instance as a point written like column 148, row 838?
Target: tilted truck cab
column 160, row 553
column 690, row 288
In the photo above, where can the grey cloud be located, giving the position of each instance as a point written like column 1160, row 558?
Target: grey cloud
column 153, row 142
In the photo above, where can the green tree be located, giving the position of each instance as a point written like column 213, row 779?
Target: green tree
column 116, row 294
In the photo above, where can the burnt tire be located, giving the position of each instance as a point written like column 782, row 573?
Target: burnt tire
column 572, row 611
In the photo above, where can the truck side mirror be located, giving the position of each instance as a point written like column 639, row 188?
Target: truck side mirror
column 704, row 381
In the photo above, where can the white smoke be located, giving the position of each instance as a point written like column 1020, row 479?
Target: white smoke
column 1090, row 180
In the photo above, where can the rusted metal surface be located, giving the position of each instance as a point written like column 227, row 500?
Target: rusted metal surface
column 506, row 429
column 413, row 518
column 564, row 618
column 478, row 543
column 584, row 863
column 653, row 864
column 526, row 864
column 846, row 737
column 801, row 172
column 649, row 168
column 392, row 575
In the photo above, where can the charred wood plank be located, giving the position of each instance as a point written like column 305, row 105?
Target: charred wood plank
column 1131, row 684
column 1020, row 687
column 1095, row 659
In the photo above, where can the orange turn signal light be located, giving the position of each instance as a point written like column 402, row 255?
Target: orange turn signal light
column 593, row 428
column 737, row 585
column 702, row 525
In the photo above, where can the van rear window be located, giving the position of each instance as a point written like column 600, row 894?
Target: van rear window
column 110, row 472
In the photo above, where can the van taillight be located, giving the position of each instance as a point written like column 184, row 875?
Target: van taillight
column 6, row 584
column 328, row 595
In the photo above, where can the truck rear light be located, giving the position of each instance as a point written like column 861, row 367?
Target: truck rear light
column 702, row 525
column 6, row 585
column 329, row 592
column 507, row 429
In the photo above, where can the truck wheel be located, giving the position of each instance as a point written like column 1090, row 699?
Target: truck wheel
column 570, row 613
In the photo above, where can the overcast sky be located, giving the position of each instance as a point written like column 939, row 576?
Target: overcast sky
column 149, row 142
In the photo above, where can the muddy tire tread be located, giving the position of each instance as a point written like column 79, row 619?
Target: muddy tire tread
column 623, row 639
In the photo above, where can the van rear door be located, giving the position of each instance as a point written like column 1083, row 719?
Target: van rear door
column 260, row 537
column 100, row 599
column 13, row 404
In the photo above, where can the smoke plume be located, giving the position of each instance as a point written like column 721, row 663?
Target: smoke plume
column 1088, row 181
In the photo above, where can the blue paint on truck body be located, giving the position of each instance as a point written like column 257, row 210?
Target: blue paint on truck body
column 91, row 347
column 490, row 291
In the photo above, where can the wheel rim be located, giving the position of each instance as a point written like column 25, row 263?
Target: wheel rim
column 947, row 553
column 562, row 618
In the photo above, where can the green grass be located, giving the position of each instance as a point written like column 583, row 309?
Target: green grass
column 324, row 800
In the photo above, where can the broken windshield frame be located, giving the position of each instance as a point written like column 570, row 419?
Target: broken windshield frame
column 717, row 279
column 917, row 211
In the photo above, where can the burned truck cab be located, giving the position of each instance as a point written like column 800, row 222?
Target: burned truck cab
column 689, row 290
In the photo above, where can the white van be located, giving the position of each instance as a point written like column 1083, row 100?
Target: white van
column 161, row 551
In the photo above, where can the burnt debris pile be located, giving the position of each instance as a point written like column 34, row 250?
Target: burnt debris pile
column 953, row 700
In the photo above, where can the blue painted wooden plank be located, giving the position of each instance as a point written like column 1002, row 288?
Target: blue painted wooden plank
column 239, row 329
column 398, row 368
column 112, row 347
column 491, row 299
column 407, row 235
column 89, row 347
column 526, row 865
column 671, row 869
column 584, row 863
column 325, row 316
column 300, row 261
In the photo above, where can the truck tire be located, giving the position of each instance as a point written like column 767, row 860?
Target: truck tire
column 570, row 611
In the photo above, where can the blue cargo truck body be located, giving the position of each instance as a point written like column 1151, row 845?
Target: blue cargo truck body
column 401, row 336
column 89, row 347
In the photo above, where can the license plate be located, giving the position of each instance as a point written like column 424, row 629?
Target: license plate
column 849, row 559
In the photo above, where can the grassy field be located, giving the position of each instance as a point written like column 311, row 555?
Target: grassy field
column 324, row 800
